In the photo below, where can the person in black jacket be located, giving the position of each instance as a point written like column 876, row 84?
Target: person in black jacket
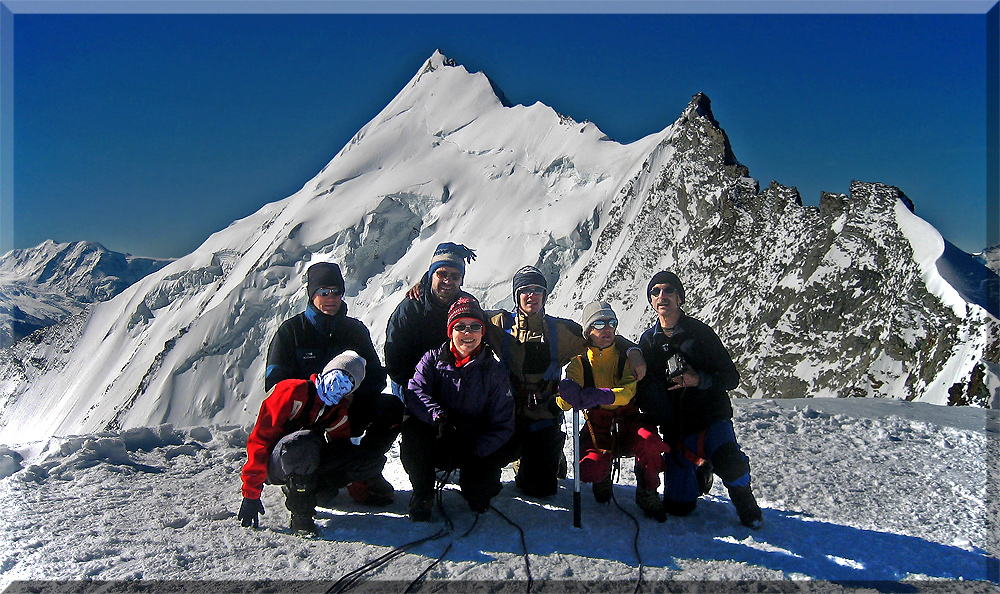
column 421, row 324
column 304, row 343
column 685, row 393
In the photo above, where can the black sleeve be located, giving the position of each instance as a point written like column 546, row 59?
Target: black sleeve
column 374, row 372
column 714, row 363
column 399, row 341
column 281, row 363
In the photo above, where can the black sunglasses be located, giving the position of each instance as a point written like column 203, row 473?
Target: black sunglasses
column 329, row 291
column 600, row 324
column 655, row 291
column 467, row 327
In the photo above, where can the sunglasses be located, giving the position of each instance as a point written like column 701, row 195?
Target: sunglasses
column 600, row 324
column 655, row 291
column 533, row 290
column 329, row 292
column 467, row 328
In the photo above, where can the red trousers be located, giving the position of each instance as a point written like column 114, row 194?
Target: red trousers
column 610, row 434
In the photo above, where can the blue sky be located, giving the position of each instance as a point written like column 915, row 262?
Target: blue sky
column 147, row 133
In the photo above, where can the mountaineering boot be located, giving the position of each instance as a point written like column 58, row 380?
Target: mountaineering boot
column 374, row 491
column 602, row 490
column 420, row 507
column 304, row 524
column 746, row 507
column 706, row 476
column 648, row 501
column 300, row 499
column 380, row 492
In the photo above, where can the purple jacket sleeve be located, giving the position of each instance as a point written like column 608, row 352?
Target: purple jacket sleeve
column 419, row 391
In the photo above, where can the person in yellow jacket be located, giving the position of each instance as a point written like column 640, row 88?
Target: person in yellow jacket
column 601, row 382
column 535, row 347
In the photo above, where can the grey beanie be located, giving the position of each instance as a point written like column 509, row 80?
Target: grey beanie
column 596, row 310
column 351, row 363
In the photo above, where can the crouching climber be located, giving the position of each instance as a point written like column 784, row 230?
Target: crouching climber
column 302, row 441
column 461, row 415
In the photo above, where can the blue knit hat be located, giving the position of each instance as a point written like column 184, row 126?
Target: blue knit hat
column 453, row 255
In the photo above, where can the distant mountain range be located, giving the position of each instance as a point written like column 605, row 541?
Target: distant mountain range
column 44, row 284
column 855, row 297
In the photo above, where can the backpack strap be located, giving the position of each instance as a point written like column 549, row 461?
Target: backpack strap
column 588, row 371
column 507, row 325
column 555, row 369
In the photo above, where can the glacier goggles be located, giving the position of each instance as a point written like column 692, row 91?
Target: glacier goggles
column 467, row 327
column 600, row 324
column 531, row 290
column 329, row 291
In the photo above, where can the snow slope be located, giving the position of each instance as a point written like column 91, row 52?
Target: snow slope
column 858, row 495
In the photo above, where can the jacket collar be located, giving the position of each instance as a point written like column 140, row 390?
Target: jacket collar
column 322, row 321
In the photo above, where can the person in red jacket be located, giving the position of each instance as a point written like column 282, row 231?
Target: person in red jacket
column 303, row 432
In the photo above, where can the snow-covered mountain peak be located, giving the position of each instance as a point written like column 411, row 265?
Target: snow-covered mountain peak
column 436, row 61
column 811, row 301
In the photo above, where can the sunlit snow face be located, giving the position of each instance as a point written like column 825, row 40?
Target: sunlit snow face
column 665, row 299
column 531, row 299
column 328, row 300
column 466, row 334
column 446, row 282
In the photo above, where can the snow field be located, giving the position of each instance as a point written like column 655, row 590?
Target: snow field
column 856, row 494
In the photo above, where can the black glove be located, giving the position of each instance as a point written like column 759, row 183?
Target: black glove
column 441, row 423
column 248, row 512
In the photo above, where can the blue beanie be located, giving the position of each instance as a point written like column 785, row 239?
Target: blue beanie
column 453, row 255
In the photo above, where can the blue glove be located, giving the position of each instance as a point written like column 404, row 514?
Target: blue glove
column 248, row 512
column 333, row 386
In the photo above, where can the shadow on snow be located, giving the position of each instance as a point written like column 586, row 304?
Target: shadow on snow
column 789, row 542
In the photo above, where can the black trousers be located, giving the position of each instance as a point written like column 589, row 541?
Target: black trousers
column 422, row 453
column 379, row 418
column 540, row 452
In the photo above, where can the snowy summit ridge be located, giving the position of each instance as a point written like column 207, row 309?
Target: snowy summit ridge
column 824, row 301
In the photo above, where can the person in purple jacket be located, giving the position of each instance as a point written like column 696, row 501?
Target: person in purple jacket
column 461, row 415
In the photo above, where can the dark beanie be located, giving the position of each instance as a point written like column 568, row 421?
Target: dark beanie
column 323, row 274
column 665, row 277
column 465, row 306
column 528, row 276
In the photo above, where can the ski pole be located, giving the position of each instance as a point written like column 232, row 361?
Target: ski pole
column 577, row 521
